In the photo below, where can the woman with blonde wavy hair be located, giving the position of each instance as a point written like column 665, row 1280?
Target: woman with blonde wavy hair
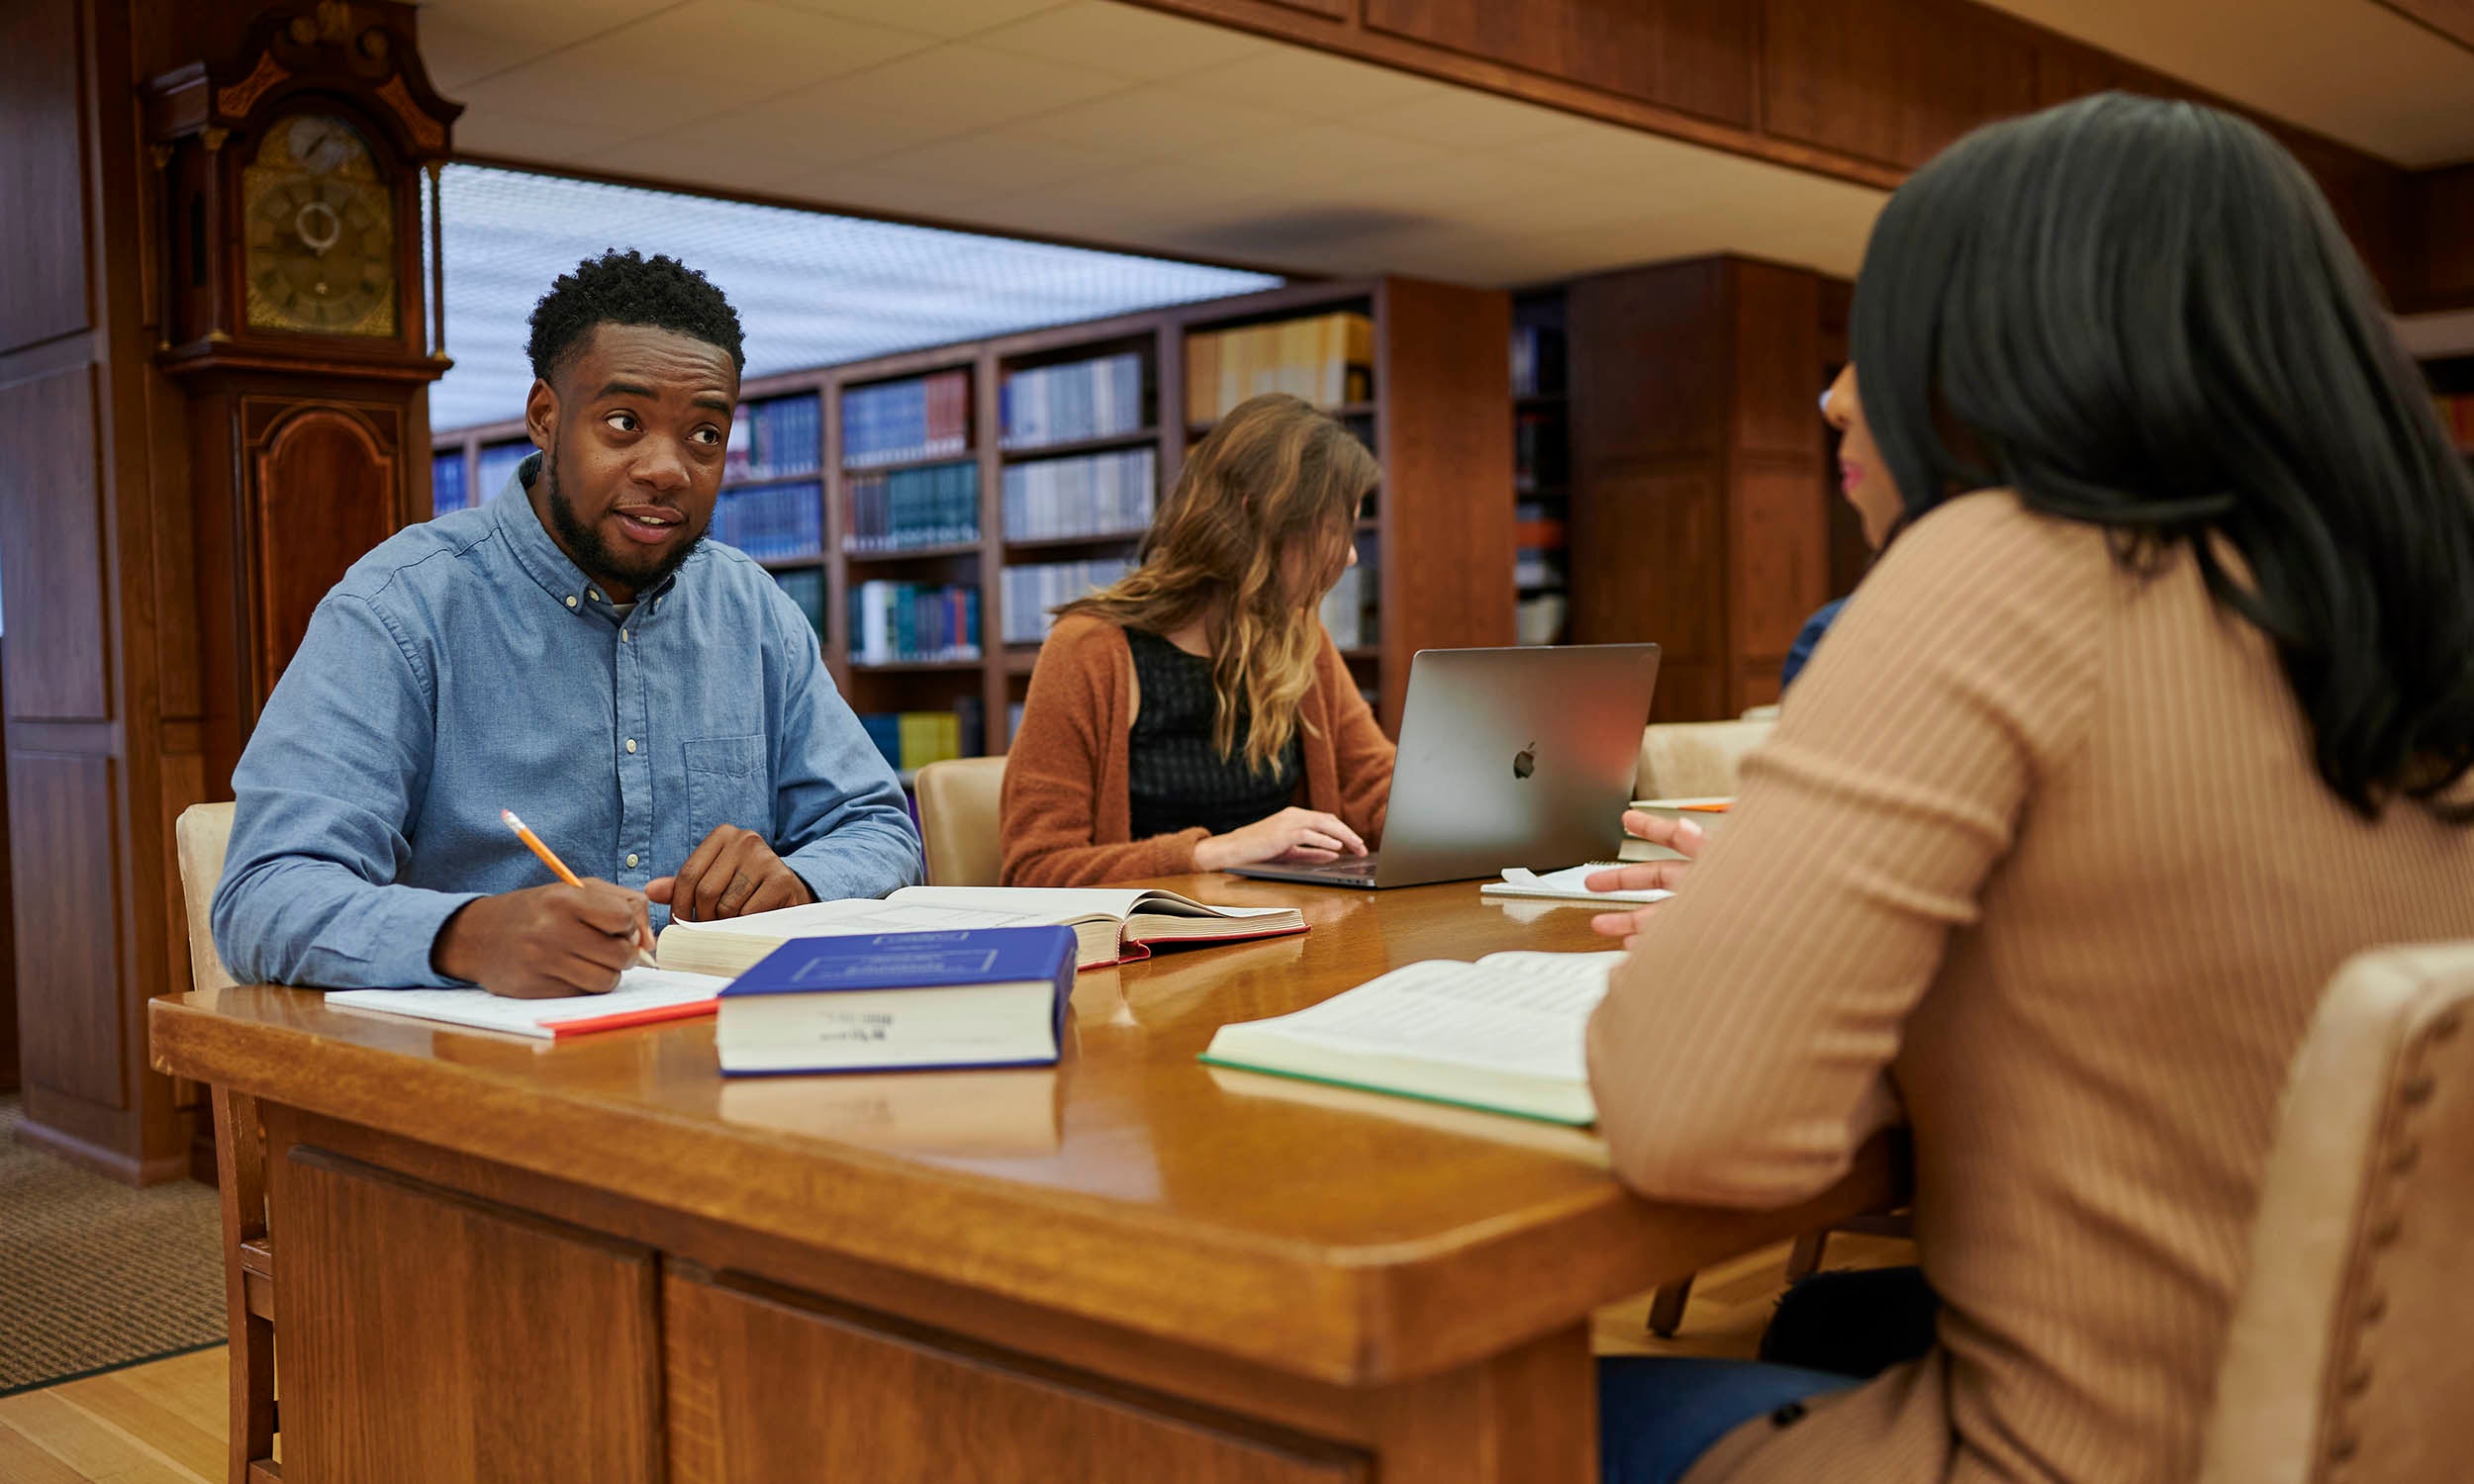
column 1195, row 716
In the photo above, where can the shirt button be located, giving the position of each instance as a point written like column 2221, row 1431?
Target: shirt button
column 596, row 591
column 622, row 636
column 571, row 600
column 631, row 744
column 632, row 857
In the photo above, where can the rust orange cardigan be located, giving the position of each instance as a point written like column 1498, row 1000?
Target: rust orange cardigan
column 1065, row 811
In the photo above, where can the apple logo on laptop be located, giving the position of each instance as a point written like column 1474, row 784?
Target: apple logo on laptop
column 1525, row 760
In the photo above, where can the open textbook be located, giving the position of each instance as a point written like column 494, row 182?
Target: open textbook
column 1505, row 1033
column 1112, row 924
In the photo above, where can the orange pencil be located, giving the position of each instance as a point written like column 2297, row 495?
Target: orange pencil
column 550, row 859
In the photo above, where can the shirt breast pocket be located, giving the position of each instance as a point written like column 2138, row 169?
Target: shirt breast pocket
column 728, row 783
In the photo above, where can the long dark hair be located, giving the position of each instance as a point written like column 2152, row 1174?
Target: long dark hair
column 2141, row 315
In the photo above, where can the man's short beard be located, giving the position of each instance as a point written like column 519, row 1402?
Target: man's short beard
column 584, row 541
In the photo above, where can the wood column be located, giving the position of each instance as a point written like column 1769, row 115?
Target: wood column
column 99, row 572
column 1700, row 514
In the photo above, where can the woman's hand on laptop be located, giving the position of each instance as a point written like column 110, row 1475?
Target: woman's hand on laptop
column 1292, row 837
column 1682, row 836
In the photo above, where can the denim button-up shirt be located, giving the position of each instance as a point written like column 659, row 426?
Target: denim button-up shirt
column 467, row 666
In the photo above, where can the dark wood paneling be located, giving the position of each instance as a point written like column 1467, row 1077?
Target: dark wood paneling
column 1891, row 81
column 1778, row 346
column 2437, row 254
column 760, row 1391
column 51, row 562
column 43, row 217
column 68, row 958
column 324, row 484
column 1647, row 371
column 1643, row 542
column 1446, row 507
column 1780, row 550
column 1687, row 55
column 393, row 1310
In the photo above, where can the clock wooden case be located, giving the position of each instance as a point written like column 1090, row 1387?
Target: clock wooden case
column 296, row 318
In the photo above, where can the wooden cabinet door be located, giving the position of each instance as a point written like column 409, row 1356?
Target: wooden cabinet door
column 761, row 1392
column 431, row 1339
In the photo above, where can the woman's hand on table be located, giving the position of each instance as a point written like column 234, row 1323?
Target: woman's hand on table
column 1682, row 836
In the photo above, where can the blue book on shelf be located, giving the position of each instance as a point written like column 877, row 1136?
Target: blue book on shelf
column 899, row 1002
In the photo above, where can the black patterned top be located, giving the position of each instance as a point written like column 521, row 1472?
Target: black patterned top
column 1175, row 779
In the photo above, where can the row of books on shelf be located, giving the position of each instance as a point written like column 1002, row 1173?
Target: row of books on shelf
column 893, row 623
column 446, row 482
column 771, row 523
column 1030, row 592
column 805, row 585
column 1536, row 360
column 776, row 437
column 911, row 508
column 1326, row 359
column 1099, row 494
column 1094, row 399
column 2456, row 413
column 1541, row 450
column 896, row 421
column 497, row 465
column 1344, row 608
column 910, row 740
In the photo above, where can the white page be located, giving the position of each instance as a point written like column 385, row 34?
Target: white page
column 1524, row 1012
column 858, row 916
column 1571, row 882
column 638, row 989
column 1066, row 903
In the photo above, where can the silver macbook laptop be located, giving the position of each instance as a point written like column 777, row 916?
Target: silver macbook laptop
column 1508, row 757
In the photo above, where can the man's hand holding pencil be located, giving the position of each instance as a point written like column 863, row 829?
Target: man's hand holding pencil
column 544, row 942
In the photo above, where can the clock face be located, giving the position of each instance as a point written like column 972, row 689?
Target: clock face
column 320, row 232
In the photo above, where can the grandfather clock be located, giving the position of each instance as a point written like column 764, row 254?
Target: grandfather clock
column 297, row 319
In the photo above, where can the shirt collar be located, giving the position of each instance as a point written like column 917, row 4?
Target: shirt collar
column 547, row 565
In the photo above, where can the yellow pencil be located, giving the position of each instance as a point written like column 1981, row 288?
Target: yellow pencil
column 550, row 859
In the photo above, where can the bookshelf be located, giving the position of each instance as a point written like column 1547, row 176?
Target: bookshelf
column 1541, row 487
column 1050, row 448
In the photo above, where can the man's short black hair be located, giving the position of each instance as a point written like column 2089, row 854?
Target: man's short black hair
column 627, row 288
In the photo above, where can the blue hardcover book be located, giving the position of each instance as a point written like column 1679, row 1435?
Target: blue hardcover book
column 901, row 1002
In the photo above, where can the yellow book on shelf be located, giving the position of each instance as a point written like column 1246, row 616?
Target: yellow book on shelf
column 1355, row 354
column 1236, row 351
column 1203, row 377
column 918, row 739
column 1298, row 342
column 948, row 736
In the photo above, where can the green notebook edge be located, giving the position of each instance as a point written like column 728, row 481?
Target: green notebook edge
column 1421, row 1097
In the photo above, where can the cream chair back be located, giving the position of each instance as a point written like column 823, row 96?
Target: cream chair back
column 958, row 820
column 2352, row 1352
column 199, row 837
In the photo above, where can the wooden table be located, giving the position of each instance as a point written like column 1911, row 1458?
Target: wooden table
column 504, row 1259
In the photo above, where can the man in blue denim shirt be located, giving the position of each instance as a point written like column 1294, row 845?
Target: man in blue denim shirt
column 651, row 703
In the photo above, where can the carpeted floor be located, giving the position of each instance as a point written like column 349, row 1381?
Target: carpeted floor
column 96, row 1274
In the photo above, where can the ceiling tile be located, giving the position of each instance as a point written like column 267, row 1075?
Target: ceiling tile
column 958, row 87
column 760, row 49
column 1309, row 84
column 1139, row 44
column 1464, row 118
column 1159, row 119
column 517, row 136
column 944, row 18
column 465, row 40
column 990, row 160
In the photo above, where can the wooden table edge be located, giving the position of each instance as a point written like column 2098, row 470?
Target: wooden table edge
column 1375, row 1313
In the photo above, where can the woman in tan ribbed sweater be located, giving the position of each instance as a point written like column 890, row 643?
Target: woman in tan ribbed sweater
column 2158, row 706
column 1195, row 716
